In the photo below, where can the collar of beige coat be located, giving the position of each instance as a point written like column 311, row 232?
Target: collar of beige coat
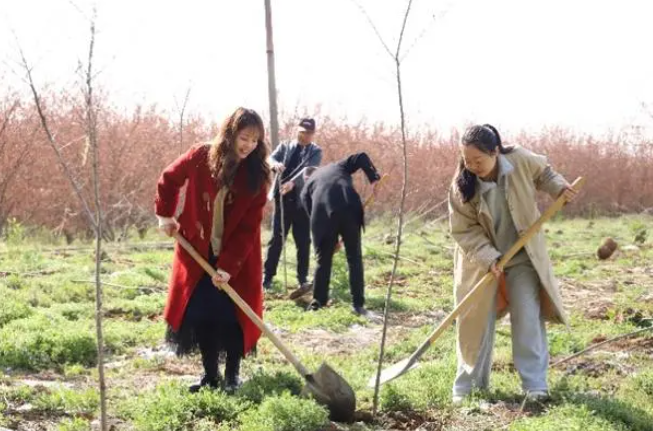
column 505, row 168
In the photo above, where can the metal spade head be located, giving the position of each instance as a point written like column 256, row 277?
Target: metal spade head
column 393, row 372
column 328, row 388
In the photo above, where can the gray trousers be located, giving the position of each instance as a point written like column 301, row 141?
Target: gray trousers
column 529, row 344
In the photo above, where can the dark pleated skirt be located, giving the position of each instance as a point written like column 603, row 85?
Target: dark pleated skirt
column 210, row 314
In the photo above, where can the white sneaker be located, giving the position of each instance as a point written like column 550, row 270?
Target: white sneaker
column 457, row 400
column 537, row 395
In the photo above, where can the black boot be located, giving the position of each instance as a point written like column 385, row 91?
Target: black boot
column 209, row 350
column 314, row 306
column 208, row 382
column 232, row 373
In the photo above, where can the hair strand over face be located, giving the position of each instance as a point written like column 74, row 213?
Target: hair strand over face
column 223, row 158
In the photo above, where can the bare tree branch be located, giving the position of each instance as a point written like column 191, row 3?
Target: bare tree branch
column 8, row 116
column 81, row 12
column 72, row 141
column 9, row 173
column 421, row 214
column 421, row 35
column 13, row 70
column 369, row 20
column 13, row 170
column 602, row 343
column 403, row 29
column 51, row 139
column 182, row 111
column 5, row 124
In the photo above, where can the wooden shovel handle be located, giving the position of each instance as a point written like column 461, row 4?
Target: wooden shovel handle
column 243, row 306
column 489, row 277
column 548, row 214
column 370, row 198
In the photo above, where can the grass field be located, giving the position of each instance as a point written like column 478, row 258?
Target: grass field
column 47, row 351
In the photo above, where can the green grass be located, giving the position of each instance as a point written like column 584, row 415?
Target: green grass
column 288, row 316
column 285, row 413
column 68, row 401
column 75, row 424
column 171, row 407
column 567, row 418
column 47, row 331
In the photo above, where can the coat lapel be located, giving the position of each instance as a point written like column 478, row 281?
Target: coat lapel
column 289, row 150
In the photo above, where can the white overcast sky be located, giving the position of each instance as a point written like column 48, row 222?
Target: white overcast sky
column 582, row 64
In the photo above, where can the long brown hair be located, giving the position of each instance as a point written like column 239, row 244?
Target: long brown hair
column 223, row 160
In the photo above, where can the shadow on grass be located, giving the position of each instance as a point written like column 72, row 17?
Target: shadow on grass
column 610, row 409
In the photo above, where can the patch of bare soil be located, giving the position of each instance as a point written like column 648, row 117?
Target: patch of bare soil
column 320, row 341
column 595, row 299
column 359, row 337
column 409, row 420
column 493, row 416
column 416, row 320
column 399, row 421
column 642, row 345
column 593, row 368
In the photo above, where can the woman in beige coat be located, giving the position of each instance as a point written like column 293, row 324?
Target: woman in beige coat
column 491, row 203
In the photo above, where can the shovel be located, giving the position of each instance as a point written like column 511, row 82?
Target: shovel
column 326, row 386
column 406, row 365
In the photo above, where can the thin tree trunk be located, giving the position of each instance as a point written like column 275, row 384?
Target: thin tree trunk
column 91, row 120
column 272, row 85
column 400, row 219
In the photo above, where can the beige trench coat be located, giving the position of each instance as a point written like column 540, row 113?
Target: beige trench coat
column 472, row 229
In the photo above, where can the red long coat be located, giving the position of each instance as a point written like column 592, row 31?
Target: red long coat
column 241, row 241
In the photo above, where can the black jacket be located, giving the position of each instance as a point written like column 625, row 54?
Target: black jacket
column 330, row 190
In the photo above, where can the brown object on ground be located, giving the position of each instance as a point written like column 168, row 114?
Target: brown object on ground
column 607, row 249
column 303, row 289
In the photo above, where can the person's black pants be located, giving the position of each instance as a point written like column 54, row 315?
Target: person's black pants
column 348, row 227
column 295, row 219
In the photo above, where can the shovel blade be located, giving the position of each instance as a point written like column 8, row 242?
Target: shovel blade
column 302, row 290
column 392, row 372
column 328, row 388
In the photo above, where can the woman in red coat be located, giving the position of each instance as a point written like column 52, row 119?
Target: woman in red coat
column 227, row 181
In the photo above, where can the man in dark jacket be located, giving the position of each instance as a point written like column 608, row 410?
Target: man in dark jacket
column 335, row 209
column 287, row 160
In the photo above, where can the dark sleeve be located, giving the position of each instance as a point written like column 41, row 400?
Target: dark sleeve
column 307, row 198
column 316, row 157
column 279, row 153
column 360, row 161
